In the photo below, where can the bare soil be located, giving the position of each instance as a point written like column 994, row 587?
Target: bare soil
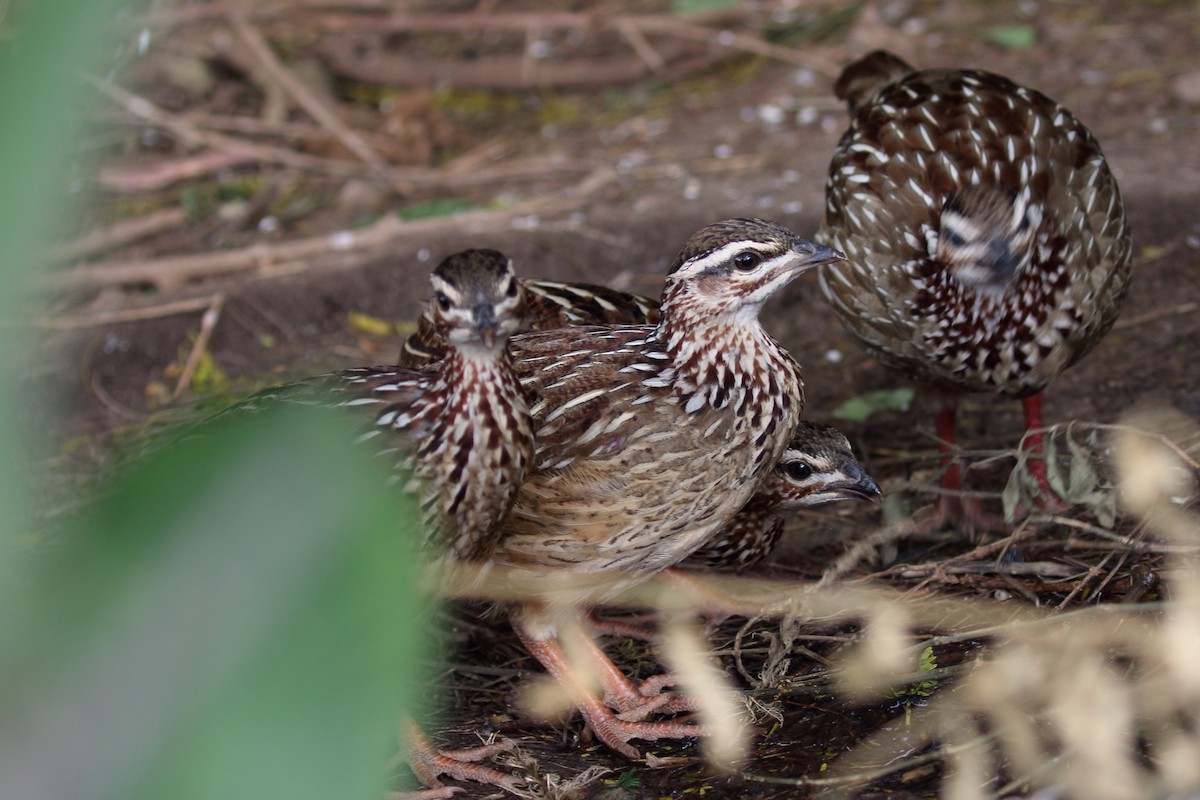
column 616, row 175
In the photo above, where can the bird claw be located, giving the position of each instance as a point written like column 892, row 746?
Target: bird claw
column 429, row 763
column 616, row 732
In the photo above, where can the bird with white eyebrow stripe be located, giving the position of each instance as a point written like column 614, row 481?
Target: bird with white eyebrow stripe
column 650, row 438
column 986, row 241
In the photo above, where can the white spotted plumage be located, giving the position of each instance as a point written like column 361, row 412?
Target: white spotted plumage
column 987, row 248
column 705, row 396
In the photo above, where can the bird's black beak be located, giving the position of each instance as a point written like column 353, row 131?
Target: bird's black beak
column 814, row 255
column 864, row 488
column 485, row 323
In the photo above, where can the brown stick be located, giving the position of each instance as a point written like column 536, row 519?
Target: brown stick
column 207, row 324
column 403, row 179
column 127, row 315
column 148, row 177
column 177, row 270
column 193, row 135
column 1155, row 315
column 302, row 94
column 121, row 233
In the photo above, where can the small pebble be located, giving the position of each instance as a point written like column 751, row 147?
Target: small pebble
column 804, row 77
column 723, row 150
column 770, row 113
column 1186, row 88
column 807, row 115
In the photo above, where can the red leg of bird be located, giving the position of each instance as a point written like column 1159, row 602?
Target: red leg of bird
column 608, row 727
column 953, row 507
column 428, row 764
column 635, row 702
column 1047, row 498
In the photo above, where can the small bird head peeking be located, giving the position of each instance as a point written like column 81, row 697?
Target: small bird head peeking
column 477, row 302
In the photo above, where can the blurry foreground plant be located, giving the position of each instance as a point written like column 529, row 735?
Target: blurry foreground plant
column 236, row 617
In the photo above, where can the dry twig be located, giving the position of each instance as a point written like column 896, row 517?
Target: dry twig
column 207, row 324
column 118, row 234
column 302, row 94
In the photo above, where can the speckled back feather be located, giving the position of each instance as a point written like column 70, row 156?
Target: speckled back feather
column 650, row 437
column 986, row 241
column 459, row 434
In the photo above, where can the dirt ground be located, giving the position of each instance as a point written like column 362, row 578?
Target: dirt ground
column 604, row 183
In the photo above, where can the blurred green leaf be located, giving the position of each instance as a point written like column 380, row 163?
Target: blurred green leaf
column 697, row 6
column 434, row 208
column 810, row 24
column 860, row 407
column 237, row 618
column 1010, row 37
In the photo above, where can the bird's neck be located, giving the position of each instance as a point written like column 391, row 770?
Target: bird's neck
column 721, row 358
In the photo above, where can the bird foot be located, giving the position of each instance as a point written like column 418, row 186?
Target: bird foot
column 632, row 702
column 650, row 699
column 616, row 731
column 429, row 763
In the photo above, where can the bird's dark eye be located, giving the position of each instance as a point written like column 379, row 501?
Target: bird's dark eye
column 747, row 260
column 797, row 470
column 512, row 288
column 443, row 301
column 953, row 239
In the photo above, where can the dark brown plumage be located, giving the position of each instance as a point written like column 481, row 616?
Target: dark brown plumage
column 986, row 242
column 705, row 398
column 548, row 305
column 460, row 433
column 649, row 438
column 817, row 467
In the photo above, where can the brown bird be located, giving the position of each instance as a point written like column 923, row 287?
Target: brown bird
column 817, row 467
column 986, row 242
column 549, row 305
column 460, row 433
column 650, row 438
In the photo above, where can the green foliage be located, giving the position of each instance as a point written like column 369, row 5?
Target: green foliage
column 697, row 6
column 860, row 407
column 928, row 664
column 443, row 207
column 812, row 24
column 628, row 779
column 1010, row 37
column 238, row 615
